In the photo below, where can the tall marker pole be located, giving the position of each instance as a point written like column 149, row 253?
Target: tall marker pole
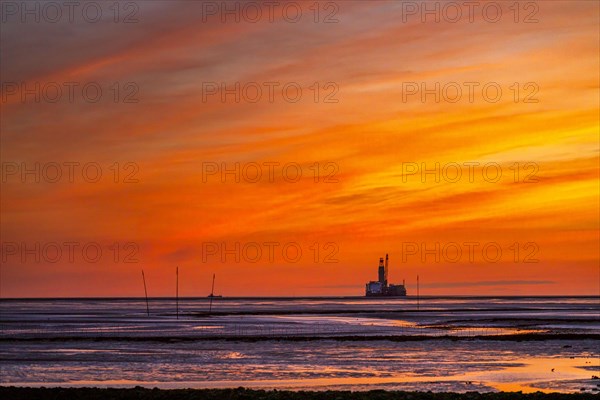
column 177, row 290
column 212, row 294
column 417, row 292
column 146, row 293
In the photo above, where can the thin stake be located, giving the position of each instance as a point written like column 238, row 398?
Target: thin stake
column 212, row 294
column 146, row 293
column 417, row 292
column 177, row 291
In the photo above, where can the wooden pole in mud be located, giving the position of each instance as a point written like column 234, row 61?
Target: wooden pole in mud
column 146, row 293
column 212, row 294
column 417, row 292
column 177, row 291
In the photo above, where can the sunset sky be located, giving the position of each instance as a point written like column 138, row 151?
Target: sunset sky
column 363, row 203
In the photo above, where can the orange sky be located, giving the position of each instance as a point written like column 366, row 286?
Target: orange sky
column 368, row 139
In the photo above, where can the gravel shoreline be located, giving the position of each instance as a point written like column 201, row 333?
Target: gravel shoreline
column 138, row 393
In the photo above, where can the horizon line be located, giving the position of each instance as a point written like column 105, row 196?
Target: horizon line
column 302, row 297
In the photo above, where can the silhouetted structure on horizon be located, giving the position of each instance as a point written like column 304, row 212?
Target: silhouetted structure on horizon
column 380, row 287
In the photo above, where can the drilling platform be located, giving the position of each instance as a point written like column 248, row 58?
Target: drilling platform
column 380, row 288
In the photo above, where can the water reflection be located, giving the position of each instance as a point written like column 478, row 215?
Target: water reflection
column 432, row 365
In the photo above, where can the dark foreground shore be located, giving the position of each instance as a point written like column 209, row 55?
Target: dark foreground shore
column 138, row 393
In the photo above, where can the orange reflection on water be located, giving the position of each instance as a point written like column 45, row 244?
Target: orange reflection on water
column 527, row 375
column 536, row 371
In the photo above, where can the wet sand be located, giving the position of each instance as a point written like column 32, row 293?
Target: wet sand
column 450, row 345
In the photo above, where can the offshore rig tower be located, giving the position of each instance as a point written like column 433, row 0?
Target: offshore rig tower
column 380, row 288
